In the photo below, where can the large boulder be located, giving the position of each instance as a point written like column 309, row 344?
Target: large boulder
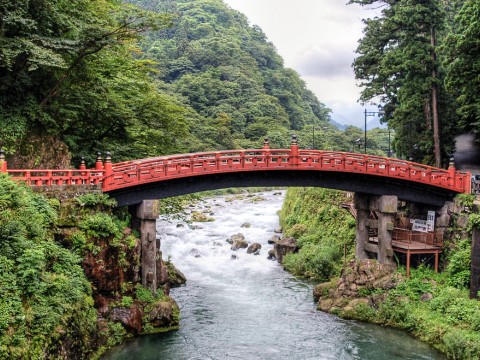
column 130, row 318
column 283, row 247
column 175, row 277
column 253, row 248
column 236, row 237
column 238, row 242
column 164, row 314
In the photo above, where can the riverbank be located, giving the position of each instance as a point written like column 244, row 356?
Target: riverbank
column 69, row 281
column 433, row 307
column 240, row 305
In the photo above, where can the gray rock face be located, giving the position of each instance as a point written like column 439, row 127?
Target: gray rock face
column 284, row 247
column 253, row 248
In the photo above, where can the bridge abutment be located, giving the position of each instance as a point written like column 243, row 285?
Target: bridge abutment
column 385, row 207
column 145, row 220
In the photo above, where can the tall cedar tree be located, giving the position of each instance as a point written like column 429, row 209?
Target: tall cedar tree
column 398, row 65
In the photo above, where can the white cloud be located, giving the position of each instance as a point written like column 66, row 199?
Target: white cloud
column 317, row 38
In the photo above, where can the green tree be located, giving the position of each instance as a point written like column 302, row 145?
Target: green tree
column 398, row 65
column 463, row 63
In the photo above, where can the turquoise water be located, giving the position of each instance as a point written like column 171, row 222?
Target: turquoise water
column 249, row 307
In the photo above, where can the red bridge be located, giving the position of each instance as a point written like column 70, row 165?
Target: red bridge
column 130, row 182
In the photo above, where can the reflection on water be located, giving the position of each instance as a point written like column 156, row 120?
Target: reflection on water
column 249, row 307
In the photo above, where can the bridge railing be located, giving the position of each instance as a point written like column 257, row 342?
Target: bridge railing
column 128, row 173
column 58, row 177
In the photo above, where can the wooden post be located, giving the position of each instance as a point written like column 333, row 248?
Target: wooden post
column 436, row 261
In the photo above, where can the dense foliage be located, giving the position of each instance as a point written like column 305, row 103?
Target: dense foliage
column 324, row 230
column 449, row 320
column 399, row 65
column 45, row 298
column 435, row 307
column 229, row 77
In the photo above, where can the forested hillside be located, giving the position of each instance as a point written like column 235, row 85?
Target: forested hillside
column 77, row 78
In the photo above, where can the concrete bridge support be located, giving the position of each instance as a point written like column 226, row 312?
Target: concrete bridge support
column 144, row 220
column 385, row 207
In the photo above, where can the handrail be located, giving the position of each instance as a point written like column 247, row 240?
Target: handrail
column 142, row 171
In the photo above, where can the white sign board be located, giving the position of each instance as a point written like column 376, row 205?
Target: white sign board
column 419, row 225
column 431, row 221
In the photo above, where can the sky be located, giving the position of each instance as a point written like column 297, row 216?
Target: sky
column 317, row 38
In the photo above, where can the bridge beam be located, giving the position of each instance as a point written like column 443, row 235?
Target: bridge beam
column 146, row 215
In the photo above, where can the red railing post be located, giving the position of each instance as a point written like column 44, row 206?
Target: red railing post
column 108, row 171
column 468, row 183
column 82, row 166
column 266, row 151
column 294, row 151
column 451, row 172
column 3, row 162
column 99, row 162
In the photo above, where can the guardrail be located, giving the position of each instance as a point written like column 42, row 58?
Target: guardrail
column 138, row 172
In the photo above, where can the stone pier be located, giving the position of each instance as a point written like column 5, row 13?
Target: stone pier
column 385, row 207
column 144, row 219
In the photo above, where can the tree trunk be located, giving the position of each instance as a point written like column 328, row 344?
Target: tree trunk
column 436, row 125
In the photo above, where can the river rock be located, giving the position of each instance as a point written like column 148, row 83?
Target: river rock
column 239, row 244
column 164, row 313
column 130, row 318
column 235, row 237
column 278, row 230
column 254, row 248
column 246, row 225
column 271, row 255
column 238, row 241
column 175, row 277
column 355, row 286
column 274, row 239
column 234, row 257
column 284, row 247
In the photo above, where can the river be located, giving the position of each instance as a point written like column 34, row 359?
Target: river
column 248, row 307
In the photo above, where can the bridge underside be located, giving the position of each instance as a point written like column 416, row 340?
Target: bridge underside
column 358, row 183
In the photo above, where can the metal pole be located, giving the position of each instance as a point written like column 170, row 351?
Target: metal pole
column 389, row 153
column 365, row 145
column 313, row 137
